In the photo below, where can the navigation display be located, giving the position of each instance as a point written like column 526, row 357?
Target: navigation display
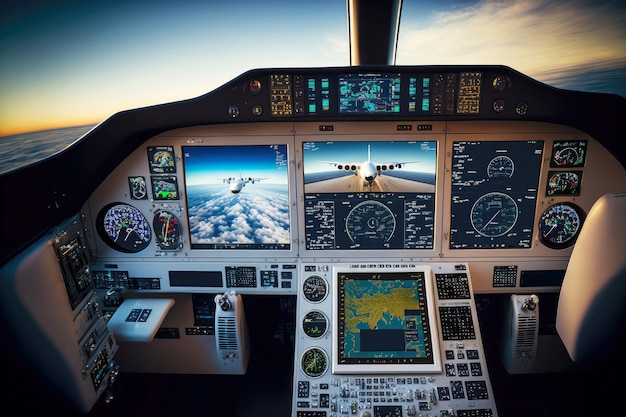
column 237, row 196
column 369, row 93
column 384, row 322
column 494, row 193
column 369, row 195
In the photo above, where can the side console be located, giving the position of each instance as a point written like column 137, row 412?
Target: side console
column 67, row 345
column 389, row 339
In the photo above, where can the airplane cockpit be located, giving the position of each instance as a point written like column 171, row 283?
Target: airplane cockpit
column 370, row 240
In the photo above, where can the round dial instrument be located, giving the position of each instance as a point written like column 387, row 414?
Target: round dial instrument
column 124, row 228
column 370, row 222
column 560, row 225
column 166, row 229
column 315, row 324
column 314, row 288
column 500, row 167
column 314, row 362
column 494, row 214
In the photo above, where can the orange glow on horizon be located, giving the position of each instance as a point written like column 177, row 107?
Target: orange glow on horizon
column 42, row 125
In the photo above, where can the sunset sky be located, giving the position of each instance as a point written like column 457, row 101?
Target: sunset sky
column 69, row 63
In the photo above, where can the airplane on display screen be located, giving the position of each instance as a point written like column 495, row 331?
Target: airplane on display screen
column 368, row 170
column 237, row 184
column 483, row 276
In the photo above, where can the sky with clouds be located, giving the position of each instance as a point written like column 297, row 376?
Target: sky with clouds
column 70, row 62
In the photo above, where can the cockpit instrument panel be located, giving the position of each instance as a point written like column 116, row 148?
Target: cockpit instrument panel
column 494, row 193
column 381, row 93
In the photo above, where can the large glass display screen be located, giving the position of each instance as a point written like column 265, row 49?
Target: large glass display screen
column 383, row 322
column 237, row 196
column 369, row 195
column 494, row 193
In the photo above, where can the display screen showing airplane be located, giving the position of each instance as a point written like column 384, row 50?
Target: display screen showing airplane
column 385, row 167
column 237, row 184
column 368, row 170
column 369, row 195
column 230, row 216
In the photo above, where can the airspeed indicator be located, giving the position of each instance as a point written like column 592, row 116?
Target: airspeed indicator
column 494, row 214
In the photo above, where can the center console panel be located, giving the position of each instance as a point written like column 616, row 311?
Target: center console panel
column 366, row 349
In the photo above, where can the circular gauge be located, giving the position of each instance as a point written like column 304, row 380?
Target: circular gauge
column 499, row 105
column 166, row 229
column 254, row 87
column 315, row 324
column 314, row 288
column 500, row 82
column 494, row 214
column 123, row 227
column 566, row 156
column 563, row 183
column 500, row 167
column 521, row 108
column 560, row 225
column 370, row 222
column 314, row 362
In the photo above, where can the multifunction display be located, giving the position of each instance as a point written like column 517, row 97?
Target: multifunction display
column 494, row 193
column 369, row 195
column 383, row 320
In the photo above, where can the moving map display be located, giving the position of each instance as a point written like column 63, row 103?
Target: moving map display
column 384, row 321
